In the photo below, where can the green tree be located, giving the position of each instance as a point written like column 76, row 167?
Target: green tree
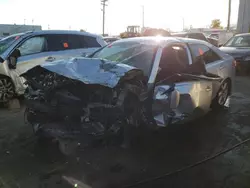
column 216, row 24
column 82, row 30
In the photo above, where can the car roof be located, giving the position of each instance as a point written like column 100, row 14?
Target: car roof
column 243, row 34
column 44, row 32
column 163, row 40
column 149, row 39
column 14, row 35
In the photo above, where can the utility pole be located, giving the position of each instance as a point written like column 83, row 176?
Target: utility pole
column 229, row 15
column 103, row 3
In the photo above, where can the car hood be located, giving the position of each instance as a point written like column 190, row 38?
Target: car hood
column 236, row 51
column 91, row 71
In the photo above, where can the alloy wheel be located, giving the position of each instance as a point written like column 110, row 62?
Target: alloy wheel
column 6, row 90
column 223, row 93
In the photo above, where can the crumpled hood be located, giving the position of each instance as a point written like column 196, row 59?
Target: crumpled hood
column 92, row 71
column 236, row 51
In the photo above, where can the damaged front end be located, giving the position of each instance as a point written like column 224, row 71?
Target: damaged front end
column 83, row 99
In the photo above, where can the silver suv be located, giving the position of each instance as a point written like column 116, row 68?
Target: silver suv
column 26, row 50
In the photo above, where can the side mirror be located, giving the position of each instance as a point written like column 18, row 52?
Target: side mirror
column 13, row 58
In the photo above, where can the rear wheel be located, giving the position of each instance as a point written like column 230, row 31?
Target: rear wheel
column 222, row 95
column 7, row 91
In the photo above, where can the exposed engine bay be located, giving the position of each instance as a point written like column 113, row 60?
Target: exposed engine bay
column 64, row 108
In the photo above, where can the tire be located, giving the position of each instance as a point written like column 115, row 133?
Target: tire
column 222, row 95
column 7, row 90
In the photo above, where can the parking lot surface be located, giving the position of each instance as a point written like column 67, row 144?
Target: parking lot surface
column 25, row 163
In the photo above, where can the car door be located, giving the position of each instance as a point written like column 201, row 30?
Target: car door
column 63, row 46
column 193, row 97
column 214, row 63
column 33, row 51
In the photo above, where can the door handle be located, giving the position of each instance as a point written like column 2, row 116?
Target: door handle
column 49, row 59
column 208, row 88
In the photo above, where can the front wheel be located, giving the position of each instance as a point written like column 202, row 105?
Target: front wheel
column 222, row 95
column 7, row 90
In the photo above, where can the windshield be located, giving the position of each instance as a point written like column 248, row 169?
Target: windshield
column 131, row 53
column 5, row 43
column 238, row 41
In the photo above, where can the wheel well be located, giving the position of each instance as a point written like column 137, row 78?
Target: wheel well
column 4, row 76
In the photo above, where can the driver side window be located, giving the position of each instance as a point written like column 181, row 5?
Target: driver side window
column 174, row 60
column 32, row 46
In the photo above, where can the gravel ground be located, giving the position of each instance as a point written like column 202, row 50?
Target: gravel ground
column 25, row 164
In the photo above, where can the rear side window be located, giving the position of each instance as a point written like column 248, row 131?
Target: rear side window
column 89, row 42
column 63, row 42
column 208, row 55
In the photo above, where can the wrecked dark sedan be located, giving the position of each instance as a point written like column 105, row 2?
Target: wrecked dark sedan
column 131, row 83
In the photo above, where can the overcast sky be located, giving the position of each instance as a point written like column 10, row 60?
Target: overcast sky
column 86, row 14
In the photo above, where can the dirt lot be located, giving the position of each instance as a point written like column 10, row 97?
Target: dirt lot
column 25, row 164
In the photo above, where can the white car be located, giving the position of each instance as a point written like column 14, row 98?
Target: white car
column 34, row 48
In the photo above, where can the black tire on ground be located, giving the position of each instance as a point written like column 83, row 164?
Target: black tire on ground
column 222, row 95
column 7, row 90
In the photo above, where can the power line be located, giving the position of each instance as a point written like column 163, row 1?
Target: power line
column 103, row 3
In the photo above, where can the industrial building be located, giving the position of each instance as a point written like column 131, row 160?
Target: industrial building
column 243, row 25
column 8, row 29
